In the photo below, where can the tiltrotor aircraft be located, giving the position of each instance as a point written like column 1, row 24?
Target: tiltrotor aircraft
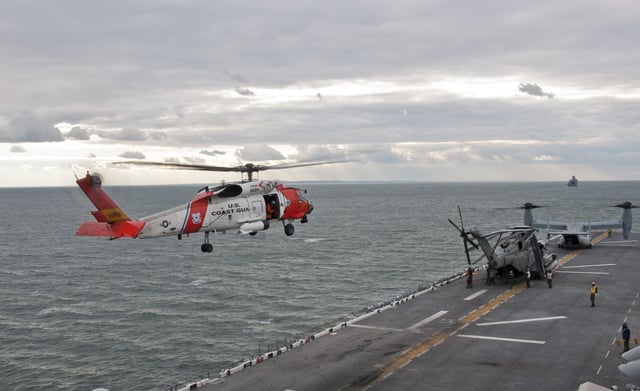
column 245, row 207
column 578, row 234
column 510, row 253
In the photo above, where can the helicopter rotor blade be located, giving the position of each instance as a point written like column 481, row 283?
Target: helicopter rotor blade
column 464, row 235
column 182, row 166
column 249, row 168
column 478, row 259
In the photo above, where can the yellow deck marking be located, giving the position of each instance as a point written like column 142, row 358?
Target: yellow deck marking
column 423, row 347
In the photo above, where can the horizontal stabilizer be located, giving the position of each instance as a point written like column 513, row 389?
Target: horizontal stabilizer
column 119, row 229
column 570, row 233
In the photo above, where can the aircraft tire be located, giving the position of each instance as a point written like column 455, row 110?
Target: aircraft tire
column 289, row 229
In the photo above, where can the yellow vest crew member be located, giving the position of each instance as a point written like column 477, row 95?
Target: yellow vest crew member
column 593, row 290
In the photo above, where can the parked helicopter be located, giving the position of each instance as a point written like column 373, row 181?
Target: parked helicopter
column 246, row 207
column 578, row 234
column 510, row 253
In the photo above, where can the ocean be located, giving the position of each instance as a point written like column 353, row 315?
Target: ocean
column 78, row 313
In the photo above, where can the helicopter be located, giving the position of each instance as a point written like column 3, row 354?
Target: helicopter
column 578, row 234
column 246, row 207
column 510, row 253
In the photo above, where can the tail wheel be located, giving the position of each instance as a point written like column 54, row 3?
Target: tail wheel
column 289, row 229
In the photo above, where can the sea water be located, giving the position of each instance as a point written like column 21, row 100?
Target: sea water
column 83, row 312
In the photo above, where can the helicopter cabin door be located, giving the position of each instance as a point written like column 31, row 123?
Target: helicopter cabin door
column 271, row 205
column 257, row 209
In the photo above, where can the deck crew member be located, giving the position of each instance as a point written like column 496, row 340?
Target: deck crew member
column 626, row 335
column 592, row 293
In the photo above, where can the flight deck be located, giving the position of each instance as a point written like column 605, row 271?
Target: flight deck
column 496, row 337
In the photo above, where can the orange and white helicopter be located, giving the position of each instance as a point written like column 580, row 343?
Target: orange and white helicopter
column 245, row 207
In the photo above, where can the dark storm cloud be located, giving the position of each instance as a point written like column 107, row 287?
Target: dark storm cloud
column 534, row 89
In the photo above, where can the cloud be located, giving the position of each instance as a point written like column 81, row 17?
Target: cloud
column 159, row 135
column 25, row 126
column 244, row 91
column 212, row 152
column 78, row 133
column 132, row 155
column 306, row 93
column 194, row 160
column 129, row 134
column 534, row 89
column 258, row 152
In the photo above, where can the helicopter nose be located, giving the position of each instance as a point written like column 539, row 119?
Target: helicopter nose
column 310, row 208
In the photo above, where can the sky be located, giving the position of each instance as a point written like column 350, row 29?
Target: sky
column 425, row 90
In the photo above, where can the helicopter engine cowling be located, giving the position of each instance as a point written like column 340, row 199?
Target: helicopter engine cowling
column 254, row 226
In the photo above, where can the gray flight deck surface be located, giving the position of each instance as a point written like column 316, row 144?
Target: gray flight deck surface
column 486, row 338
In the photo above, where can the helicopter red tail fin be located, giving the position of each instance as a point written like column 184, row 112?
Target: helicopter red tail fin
column 119, row 229
column 111, row 220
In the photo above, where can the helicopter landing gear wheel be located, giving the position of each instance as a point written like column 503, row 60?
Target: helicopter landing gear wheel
column 289, row 229
column 206, row 246
column 253, row 233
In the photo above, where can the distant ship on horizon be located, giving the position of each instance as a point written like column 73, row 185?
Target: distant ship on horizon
column 573, row 182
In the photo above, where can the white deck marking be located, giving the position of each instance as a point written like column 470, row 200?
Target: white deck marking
column 427, row 320
column 502, row 339
column 362, row 326
column 522, row 320
column 478, row 293
column 569, row 272
column 581, row 266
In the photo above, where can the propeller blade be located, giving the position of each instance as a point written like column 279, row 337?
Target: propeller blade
column 526, row 205
column 625, row 205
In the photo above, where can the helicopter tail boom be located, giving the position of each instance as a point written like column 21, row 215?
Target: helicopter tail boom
column 111, row 220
